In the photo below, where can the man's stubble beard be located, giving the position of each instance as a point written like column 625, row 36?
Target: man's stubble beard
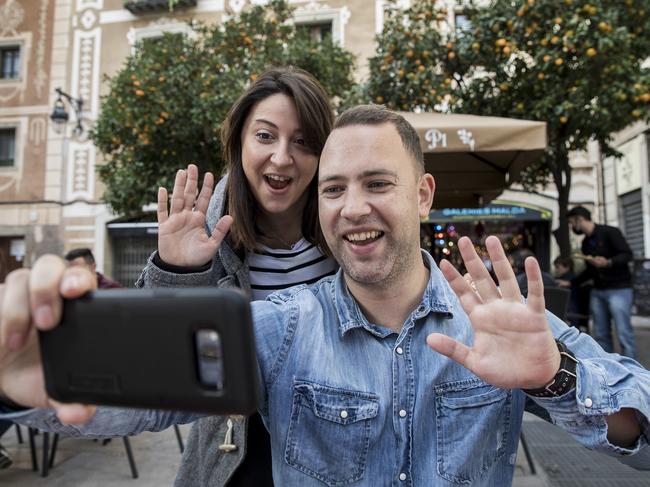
column 393, row 265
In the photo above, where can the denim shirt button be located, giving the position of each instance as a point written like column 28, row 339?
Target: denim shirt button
column 402, row 413
column 399, row 351
column 588, row 402
column 402, row 476
column 344, row 414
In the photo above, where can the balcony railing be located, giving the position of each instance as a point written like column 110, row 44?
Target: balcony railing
column 139, row 7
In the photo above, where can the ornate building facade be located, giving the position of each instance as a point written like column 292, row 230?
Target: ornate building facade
column 50, row 197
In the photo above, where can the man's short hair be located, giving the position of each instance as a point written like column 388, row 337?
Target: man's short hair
column 378, row 115
column 564, row 261
column 579, row 211
column 84, row 252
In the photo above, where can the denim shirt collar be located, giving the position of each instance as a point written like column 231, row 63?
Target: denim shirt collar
column 436, row 299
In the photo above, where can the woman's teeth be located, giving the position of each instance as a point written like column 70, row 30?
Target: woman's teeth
column 277, row 182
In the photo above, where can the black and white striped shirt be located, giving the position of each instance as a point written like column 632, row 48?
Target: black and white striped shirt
column 275, row 269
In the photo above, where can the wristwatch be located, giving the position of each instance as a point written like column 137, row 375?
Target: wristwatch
column 564, row 380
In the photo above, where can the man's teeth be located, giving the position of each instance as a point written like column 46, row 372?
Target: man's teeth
column 275, row 177
column 360, row 237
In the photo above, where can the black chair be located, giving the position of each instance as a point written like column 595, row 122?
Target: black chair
column 557, row 301
column 50, row 452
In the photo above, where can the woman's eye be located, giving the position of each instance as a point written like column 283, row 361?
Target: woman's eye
column 264, row 136
column 300, row 141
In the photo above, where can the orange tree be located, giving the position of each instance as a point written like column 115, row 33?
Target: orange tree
column 576, row 64
column 165, row 106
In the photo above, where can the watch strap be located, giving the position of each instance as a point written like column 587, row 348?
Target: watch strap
column 564, row 380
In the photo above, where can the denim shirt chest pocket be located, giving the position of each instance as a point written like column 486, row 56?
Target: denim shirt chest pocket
column 473, row 422
column 329, row 432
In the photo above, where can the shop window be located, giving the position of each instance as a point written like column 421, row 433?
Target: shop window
column 7, row 147
column 9, row 62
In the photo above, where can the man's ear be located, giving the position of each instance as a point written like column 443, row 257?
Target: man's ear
column 426, row 190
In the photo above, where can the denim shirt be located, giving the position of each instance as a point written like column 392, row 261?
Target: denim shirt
column 348, row 402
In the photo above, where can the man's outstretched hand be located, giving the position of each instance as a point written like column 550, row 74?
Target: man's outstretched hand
column 513, row 345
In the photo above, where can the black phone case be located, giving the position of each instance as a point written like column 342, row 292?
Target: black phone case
column 137, row 348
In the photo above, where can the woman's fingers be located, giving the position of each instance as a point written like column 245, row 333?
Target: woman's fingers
column 476, row 268
column 189, row 195
column 508, row 285
column 178, row 193
column 162, row 205
column 221, row 229
column 203, row 200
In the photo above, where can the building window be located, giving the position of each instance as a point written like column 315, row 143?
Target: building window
column 155, row 33
column 462, row 24
column 9, row 62
column 317, row 32
column 7, row 147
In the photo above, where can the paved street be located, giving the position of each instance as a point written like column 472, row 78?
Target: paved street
column 559, row 460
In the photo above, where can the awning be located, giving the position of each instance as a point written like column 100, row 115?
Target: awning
column 474, row 158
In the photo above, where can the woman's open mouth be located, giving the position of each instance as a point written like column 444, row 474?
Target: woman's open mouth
column 277, row 182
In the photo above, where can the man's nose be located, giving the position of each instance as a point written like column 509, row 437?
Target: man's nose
column 355, row 205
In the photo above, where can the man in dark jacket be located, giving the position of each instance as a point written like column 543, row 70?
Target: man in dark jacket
column 606, row 254
column 84, row 257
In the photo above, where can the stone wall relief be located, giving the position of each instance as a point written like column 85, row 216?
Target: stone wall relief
column 12, row 15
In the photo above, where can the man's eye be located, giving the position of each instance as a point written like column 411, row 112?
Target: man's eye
column 378, row 184
column 332, row 190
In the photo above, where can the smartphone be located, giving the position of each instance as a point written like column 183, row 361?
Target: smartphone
column 189, row 349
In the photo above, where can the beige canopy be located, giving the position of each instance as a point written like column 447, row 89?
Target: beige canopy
column 474, row 158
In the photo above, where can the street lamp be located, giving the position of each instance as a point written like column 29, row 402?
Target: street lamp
column 60, row 115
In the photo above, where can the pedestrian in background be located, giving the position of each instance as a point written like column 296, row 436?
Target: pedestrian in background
column 517, row 262
column 84, row 257
column 607, row 254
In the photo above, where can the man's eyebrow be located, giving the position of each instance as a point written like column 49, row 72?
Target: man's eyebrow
column 363, row 175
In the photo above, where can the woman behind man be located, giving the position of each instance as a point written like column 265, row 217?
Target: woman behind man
column 269, row 240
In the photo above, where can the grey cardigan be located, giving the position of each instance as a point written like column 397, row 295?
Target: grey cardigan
column 203, row 464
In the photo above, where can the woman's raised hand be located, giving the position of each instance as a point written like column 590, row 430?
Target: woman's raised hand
column 182, row 237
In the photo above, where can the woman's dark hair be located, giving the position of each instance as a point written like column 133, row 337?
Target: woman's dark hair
column 316, row 118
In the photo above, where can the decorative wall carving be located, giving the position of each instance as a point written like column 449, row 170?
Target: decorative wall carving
column 85, row 68
column 40, row 77
column 37, row 131
column 12, row 15
column 80, row 171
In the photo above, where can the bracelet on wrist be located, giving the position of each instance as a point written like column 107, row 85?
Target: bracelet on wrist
column 564, row 380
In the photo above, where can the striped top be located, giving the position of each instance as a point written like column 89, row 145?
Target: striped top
column 275, row 269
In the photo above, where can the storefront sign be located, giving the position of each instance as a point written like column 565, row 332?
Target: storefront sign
column 437, row 139
column 489, row 212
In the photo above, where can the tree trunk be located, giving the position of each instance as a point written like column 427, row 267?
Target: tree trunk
column 562, row 179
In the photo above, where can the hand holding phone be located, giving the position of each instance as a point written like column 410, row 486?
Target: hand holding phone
column 187, row 349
